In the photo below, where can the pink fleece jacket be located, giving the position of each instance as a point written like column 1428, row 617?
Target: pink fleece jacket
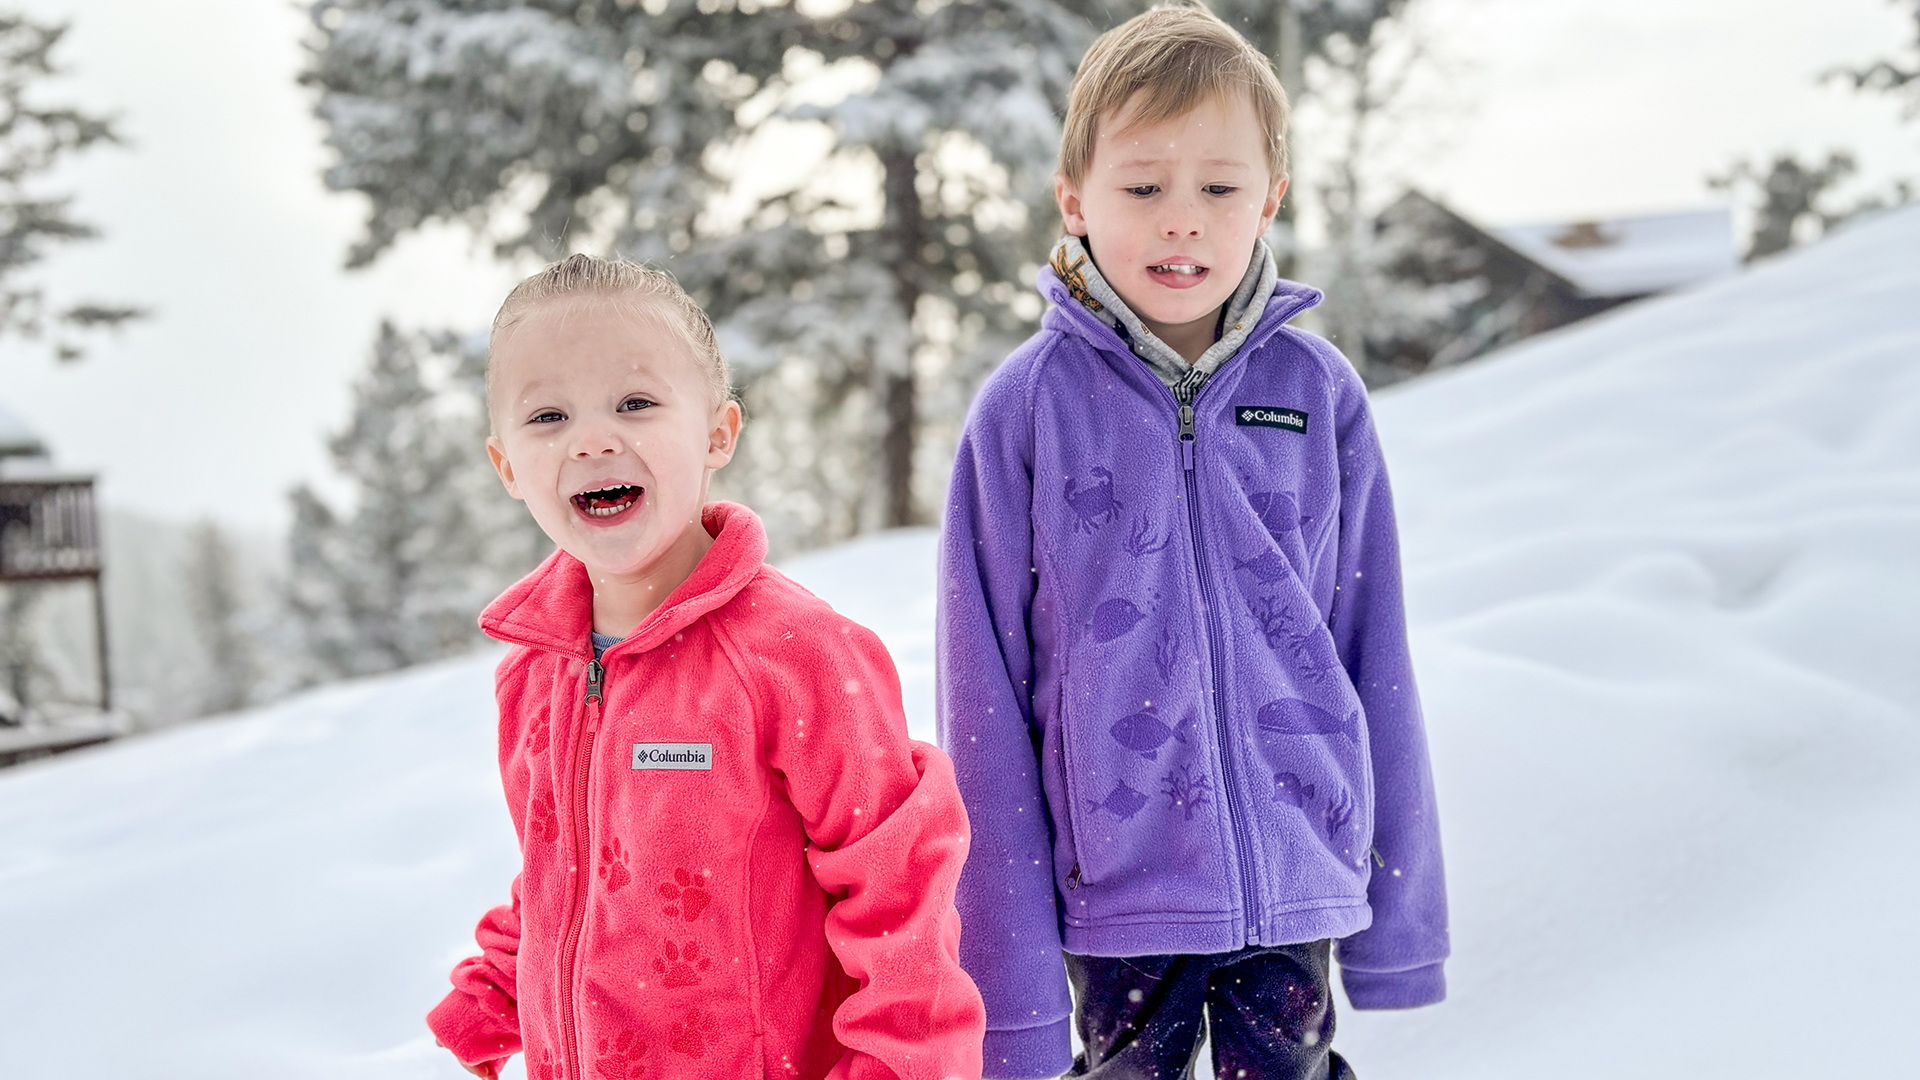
column 734, row 862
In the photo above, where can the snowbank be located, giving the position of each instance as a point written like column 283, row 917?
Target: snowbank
column 1663, row 570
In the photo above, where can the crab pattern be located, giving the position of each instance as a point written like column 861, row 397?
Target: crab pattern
column 1094, row 505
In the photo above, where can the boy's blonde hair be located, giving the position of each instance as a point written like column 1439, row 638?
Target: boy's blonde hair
column 1173, row 58
column 649, row 288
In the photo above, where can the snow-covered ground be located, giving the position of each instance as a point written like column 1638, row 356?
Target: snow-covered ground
column 1664, row 571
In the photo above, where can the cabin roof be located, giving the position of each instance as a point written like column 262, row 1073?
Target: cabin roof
column 1630, row 256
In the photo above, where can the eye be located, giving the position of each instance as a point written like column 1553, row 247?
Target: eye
column 1141, row 191
column 1219, row 189
column 547, row 416
column 635, row 404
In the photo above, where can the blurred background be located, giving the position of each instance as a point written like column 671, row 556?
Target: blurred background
column 1591, row 255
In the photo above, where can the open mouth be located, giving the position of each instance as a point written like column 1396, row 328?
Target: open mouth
column 608, row 502
column 1177, row 275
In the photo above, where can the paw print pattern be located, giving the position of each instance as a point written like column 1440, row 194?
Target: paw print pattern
column 681, row 965
column 613, row 866
column 539, row 737
column 617, row 1057
column 690, row 1036
column 546, row 1069
column 542, row 821
column 686, row 895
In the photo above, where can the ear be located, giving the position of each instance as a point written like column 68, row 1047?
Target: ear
column 1067, row 194
column 497, row 453
column 723, row 437
column 1272, row 206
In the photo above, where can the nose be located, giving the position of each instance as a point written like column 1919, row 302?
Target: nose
column 594, row 440
column 1180, row 218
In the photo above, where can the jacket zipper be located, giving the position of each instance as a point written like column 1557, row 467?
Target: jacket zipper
column 582, row 876
column 1230, row 797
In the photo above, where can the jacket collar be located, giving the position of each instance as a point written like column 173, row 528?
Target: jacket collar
column 552, row 608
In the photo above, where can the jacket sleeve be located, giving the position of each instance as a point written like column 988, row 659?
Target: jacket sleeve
column 984, row 685
column 887, row 835
column 478, row 1020
column 1397, row 962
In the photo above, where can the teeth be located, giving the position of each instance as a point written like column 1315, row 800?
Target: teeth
column 624, row 495
column 1181, row 268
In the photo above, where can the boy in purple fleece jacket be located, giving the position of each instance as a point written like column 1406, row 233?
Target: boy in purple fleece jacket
column 1173, row 670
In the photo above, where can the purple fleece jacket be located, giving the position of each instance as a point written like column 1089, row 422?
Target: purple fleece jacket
column 1173, row 675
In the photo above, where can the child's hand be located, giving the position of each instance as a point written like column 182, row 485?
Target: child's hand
column 485, row 1075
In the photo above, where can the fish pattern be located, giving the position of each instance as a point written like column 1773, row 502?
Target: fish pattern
column 1291, row 716
column 1144, row 733
column 1267, row 567
column 1278, row 511
column 1113, row 619
column 1122, row 802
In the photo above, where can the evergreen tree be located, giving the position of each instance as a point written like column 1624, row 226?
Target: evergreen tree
column 219, row 612
column 34, row 140
column 25, row 677
column 1790, row 199
column 399, row 578
column 605, row 119
column 1897, row 76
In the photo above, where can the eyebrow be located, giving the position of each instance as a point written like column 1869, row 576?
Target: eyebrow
column 1212, row 163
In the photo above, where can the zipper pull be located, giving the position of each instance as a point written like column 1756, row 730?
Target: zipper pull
column 1186, row 436
column 1073, row 877
column 595, row 673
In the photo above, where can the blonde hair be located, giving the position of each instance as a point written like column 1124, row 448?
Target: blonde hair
column 584, row 275
column 1173, row 58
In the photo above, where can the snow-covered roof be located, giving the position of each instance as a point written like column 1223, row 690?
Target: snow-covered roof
column 16, row 437
column 1631, row 256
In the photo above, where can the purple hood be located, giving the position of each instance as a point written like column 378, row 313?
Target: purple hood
column 1173, row 674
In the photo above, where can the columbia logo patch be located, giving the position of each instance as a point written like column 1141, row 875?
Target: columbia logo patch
column 1270, row 416
column 672, row 755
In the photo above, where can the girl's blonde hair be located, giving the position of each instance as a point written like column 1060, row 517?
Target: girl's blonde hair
column 648, row 288
column 1173, row 58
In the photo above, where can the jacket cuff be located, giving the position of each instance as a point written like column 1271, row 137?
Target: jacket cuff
column 1395, row 989
column 1027, row 1053
column 481, row 1033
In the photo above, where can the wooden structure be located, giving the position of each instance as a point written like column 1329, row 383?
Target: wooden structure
column 49, row 532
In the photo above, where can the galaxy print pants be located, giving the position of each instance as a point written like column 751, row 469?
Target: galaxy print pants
column 1269, row 1009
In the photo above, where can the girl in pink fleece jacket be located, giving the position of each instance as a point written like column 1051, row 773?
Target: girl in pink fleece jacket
column 735, row 862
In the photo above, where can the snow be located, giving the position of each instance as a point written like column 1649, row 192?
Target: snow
column 1663, row 584
column 15, row 436
column 1631, row 256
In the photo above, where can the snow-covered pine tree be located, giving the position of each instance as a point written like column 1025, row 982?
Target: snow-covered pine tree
column 883, row 307
column 1791, row 203
column 1899, row 76
column 398, row 578
column 35, row 139
column 211, row 574
column 561, row 124
column 1292, row 32
column 25, row 678
column 1362, row 57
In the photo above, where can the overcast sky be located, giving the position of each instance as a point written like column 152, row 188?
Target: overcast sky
column 215, row 216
